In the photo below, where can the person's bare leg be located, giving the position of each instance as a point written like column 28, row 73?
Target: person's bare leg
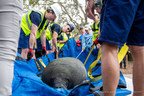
column 110, row 69
column 138, row 69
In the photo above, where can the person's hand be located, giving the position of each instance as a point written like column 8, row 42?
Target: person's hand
column 44, row 51
column 98, row 45
column 90, row 9
column 83, row 49
column 30, row 54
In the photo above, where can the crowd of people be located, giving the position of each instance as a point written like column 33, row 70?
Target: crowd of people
column 38, row 28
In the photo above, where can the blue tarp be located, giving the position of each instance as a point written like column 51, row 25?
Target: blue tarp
column 27, row 83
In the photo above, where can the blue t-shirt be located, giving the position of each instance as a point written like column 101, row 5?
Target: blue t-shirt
column 36, row 19
column 56, row 28
column 80, row 38
column 87, row 40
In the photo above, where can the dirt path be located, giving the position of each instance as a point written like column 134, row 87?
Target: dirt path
column 129, row 68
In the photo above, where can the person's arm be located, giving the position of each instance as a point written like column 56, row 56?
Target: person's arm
column 32, row 38
column 90, row 9
column 54, row 41
column 43, row 41
column 62, row 41
column 91, row 40
column 43, row 38
column 36, row 20
column 83, row 43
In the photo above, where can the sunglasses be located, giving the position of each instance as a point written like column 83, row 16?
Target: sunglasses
column 68, row 29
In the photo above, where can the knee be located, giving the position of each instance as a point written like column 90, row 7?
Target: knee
column 137, row 51
column 106, row 47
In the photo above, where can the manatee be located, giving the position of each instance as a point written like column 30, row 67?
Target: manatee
column 64, row 73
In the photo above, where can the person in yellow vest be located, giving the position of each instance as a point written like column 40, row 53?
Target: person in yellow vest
column 62, row 39
column 52, row 33
column 95, row 26
column 33, row 26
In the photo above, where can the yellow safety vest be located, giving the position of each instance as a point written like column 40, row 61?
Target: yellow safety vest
column 95, row 30
column 65, row 37
column 26, row 23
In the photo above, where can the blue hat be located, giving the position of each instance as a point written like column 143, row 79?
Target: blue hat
column 72, row 27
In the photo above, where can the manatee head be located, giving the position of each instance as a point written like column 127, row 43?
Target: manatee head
column 64, row 73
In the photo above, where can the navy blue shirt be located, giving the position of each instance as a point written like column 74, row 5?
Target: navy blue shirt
column 36, row 19
column 56, row 28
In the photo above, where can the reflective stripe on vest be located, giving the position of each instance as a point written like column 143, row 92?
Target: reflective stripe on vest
column 28, row 20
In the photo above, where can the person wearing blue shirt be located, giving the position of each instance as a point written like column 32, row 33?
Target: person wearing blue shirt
column 82, row 30
column 56, row 31
column 65, row 35
column 34, row 26
column 87, row 39
column 121, row 22
column 59, row 30
column 53, row 32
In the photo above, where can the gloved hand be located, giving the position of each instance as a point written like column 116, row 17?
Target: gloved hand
column 43, row 51
column 78, row 43
column 96, row 41
column 30, row 54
